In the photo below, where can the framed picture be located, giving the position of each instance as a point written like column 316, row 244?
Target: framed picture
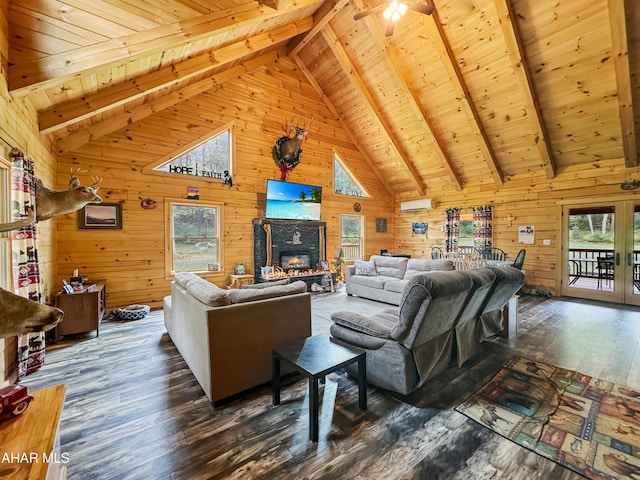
column 101, row 216
column 266, row 271
column 381, row 224
column 419, row 228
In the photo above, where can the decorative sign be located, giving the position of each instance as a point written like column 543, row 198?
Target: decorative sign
column 193, row 193
column 420, row 228
column 526, row 234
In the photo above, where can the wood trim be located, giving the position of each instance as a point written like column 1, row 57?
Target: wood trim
column 396, row 69
column 62, row 115
column 458, row 84
column 56, row 69
column 338, row 115
column 358, row 84
column 620, row 39
column 515, row 50
column 322, row 17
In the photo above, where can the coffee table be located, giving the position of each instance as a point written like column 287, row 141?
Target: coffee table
column 315, row 357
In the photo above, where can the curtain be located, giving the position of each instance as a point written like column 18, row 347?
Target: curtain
column 26, row 273
column 452, row 228
column 483, row 229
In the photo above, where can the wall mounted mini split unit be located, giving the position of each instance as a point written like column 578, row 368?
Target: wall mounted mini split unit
column 415, row 205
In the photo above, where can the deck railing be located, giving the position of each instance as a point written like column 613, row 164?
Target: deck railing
column 587, row 258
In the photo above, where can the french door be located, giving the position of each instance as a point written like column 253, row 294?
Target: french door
column 601, row 251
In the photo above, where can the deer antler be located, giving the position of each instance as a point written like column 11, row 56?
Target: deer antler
column 96, row 181
column 77, row 172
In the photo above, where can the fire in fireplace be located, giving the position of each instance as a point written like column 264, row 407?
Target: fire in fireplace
column 295, row 261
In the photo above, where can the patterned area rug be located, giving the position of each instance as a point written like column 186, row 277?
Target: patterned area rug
column 586, row 424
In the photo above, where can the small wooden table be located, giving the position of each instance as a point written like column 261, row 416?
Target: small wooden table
column 315, row 357
column 238, row 280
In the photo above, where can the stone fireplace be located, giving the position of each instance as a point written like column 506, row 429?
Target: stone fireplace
column 288, row 244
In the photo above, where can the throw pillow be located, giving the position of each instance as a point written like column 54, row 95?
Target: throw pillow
column 182, row 278
column 208, row 293
column 365, row 269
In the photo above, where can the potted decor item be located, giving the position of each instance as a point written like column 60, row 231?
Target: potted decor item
column 132, row 312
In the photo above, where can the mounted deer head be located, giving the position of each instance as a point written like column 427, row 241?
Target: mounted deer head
column 19, row 315
column 287, row 150
column 50, row 203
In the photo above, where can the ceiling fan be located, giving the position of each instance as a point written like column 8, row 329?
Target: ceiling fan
column 393, row 10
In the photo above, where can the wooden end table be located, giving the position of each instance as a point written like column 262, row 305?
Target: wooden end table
column 315, row 357
column 238, row 280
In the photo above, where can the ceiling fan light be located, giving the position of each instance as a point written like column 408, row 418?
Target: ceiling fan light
column 402, row 8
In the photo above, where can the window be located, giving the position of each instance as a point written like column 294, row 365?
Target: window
column 209, row 157
column 351, row 236
column 344, row 182
column 193, row 232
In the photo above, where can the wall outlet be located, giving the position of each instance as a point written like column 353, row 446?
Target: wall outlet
column 546, row 242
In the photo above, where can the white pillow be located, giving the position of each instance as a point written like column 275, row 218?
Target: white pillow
column 365, row 269
column 208, row 293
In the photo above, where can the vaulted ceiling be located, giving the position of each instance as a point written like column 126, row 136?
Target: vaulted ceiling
column 479, row 91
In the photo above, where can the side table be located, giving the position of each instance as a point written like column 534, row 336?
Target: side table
column 83, row 310
column 238, row 280
column 315, row 357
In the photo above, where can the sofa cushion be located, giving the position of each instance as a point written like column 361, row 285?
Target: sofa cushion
column 365, row 269
column 416, row 266
column 390, row 266
column 207, row 292
column 377, row 325
column 396, row 285
column 284, row 281
column 371, row 282
column 182, row 278
column 253, row 294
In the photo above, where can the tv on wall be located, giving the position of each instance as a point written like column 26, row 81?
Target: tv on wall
column 293, row 201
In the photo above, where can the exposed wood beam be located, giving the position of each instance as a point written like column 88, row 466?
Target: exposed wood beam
column 60, row 116
column 621, row 47
column 105, row 127
column 391, row 57
column 338, row 115
column 353, row 76
column 277, row 4
column 441, row 45
column 323, row 16
column 515, row 50
column 55, row 69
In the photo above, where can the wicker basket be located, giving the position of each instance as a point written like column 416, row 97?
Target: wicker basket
column 132, row 312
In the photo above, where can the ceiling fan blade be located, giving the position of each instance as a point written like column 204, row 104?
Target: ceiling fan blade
column 421, row 8
column 364, row 13
column 389, row 30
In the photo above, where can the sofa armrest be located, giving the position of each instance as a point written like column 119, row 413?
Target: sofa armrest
column 372, row 326
column 349, row 270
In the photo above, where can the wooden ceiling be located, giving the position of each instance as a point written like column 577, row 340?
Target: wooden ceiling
column 477, row 92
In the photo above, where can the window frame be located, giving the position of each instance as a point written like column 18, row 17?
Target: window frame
column 6, row 275
column 230, row 127
column 350, row 174
column 362, row 238
column 219, row 206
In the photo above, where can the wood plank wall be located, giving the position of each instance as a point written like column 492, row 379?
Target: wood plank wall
column 19, row 128
column 258, row 104
column 530, row 199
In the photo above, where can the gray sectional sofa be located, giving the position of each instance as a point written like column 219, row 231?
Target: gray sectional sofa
column 384, row 278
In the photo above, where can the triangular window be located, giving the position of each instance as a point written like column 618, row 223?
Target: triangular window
column 344, row 182
column 210, row 157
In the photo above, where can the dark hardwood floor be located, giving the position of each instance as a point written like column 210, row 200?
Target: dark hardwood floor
column 134, row 411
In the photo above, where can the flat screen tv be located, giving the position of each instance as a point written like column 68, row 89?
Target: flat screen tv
column 293, row 201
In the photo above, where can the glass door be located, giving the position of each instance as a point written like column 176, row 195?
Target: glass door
column 601, row 251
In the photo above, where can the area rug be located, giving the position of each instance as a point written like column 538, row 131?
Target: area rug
column 584, row 423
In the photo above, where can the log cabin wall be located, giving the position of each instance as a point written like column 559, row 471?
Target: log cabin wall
column 19, row 128
column 529, row 200
column 258, row 104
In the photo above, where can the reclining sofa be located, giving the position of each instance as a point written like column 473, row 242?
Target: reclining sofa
column 226, row 337
column 410, row 344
